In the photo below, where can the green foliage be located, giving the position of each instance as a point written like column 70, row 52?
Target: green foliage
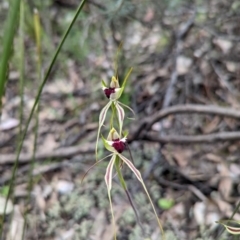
column 7, row 44
column 165, row 203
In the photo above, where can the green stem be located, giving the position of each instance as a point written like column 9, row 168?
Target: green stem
column 113, row 115
column 120, row 176
column 37, row 28
column 22, row 66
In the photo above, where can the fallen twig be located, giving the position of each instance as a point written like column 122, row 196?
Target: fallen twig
column 207, row 138
column 147, row 122
column 59, row 153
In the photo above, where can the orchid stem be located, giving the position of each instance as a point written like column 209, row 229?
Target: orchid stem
column 120, row 176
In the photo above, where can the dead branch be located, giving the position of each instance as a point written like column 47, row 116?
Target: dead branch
column 207, row 138
column 58, row 153
column 147, row 122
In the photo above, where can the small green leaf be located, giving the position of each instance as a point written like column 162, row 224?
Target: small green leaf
column 165, row 203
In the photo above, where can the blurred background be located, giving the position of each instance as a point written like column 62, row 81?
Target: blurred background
column 182, row 52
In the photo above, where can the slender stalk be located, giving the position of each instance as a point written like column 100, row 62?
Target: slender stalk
column 112, row 116
column 7, row 44
column 22, row 65
column 37, row 29
column 15, row 167
column 22, row 71
column 135, row 210
column 120, row 176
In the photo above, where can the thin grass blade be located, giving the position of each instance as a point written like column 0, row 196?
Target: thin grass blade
column 125, row 81
column 37, row 30
column 7, row 44
column 2, row 76
column 85, row 174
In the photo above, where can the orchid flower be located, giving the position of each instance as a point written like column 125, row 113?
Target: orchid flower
column 116, row 146
column 113, row 93
column 232, row 226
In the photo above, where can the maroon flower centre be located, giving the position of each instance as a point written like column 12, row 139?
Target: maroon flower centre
column 109, row 91
column 119, row 145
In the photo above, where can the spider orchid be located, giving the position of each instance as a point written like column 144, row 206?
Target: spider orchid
column 113, row 93
column 116, row 146
column 232, row 226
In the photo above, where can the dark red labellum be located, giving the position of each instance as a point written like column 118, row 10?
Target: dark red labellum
column 109, row 91
column 119, row 145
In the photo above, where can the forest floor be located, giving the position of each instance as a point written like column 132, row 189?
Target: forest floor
column 185, row 138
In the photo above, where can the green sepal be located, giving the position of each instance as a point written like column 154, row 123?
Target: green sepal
column 124, row 82
column 108, row 146
column 125, row 133
column 104, row 84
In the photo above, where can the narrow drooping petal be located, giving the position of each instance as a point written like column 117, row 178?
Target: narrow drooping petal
column 121, row 114
column 139, row 177
column 85, row 174
column 109, row 170
column 128, row 109
column 103, row 113
column 102, row 117
column 108, row 180
column 231, row 226
column 132, row 167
